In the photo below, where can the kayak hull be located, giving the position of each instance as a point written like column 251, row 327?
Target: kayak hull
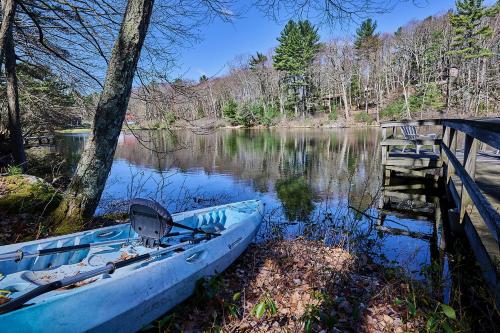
column 128, row 302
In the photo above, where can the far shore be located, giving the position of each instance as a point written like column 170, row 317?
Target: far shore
column 179, row 127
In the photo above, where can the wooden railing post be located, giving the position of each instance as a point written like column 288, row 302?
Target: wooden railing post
column 452, row 145
column 385, row 152
column 470, row 156
column 445, row 140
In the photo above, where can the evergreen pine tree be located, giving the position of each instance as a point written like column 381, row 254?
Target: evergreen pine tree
column 299, row 44
column 257, row 64
column 203, row 78
column 366, row 38
column 257, row 61
column 288, row 51
column 468, row 30
column 309, row 43
column 367, row 43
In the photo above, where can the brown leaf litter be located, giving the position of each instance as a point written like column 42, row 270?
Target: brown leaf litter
column 326, row 287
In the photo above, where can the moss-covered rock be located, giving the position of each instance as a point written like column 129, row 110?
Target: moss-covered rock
column 27, row 194
column 50, row 166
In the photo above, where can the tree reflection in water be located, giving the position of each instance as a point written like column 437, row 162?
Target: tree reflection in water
column 298, row 168
column 296, row 197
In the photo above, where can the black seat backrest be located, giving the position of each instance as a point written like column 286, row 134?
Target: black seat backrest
column 150, row 220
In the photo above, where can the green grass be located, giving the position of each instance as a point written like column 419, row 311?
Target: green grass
column 73, row 131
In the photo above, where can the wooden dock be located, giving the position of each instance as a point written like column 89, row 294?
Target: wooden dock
column 39, row 140
column 465, row 156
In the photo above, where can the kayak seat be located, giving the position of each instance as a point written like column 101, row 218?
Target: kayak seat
column 150, row 220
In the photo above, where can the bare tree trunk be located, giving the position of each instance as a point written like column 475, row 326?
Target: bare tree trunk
column 448, row 88
column 407, row 103
column 366, row 89
column 86, row 187
column 405, row 93
column 8, row 52
column 346, row 101
column 214, row 110
column 379, row 98
column 282, row 104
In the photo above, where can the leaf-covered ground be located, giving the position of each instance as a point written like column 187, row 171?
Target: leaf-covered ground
column 296, row 286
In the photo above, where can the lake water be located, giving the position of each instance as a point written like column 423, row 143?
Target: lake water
column 324, row 184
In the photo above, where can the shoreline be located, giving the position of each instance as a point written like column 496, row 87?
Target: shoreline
column 258, row 127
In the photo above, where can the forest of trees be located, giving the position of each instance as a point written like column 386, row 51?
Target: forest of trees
column 445, row 65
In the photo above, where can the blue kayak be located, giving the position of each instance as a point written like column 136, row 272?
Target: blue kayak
column 120, row 278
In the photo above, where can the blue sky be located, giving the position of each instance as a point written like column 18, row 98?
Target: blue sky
column 221, row 42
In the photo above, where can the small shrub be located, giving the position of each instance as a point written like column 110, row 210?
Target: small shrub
column 333, row 116
column 363, row 117
column 316, row 317
column 229, row 109
column 265, row 305
column 208, row 289
column 14, row 170
column 170, row 118
column 427, row 98
column 482, row 109
column 200, row 113
column 394, row 110
column 244, row 116
column 257, row 110
column 270, row 115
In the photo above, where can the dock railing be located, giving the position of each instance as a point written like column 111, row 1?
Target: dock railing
column 470, row 194
column 40, row 140
column 474, row 212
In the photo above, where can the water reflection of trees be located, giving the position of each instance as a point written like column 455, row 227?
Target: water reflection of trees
column 296, row 196
column 70, row 146
column 327, row 160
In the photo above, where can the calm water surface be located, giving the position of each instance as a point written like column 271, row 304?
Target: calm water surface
column 307, row 178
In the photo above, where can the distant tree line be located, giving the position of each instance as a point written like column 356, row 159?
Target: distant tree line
column 441, row 66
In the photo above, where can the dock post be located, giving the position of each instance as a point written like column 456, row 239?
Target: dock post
column 452, row 145
column 442, row 154
column 470, row 156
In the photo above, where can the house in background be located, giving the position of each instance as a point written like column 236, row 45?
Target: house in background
column 130, row 119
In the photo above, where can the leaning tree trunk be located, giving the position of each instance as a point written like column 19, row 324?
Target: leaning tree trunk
column 8, row 53
column 86, row 187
